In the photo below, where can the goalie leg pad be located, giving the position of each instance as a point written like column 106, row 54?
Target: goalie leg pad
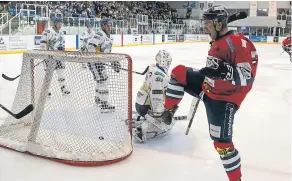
column 159, row 124
column 148, row 130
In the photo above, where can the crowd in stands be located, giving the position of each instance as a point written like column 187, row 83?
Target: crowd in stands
column 282, row 14
column 116, row 10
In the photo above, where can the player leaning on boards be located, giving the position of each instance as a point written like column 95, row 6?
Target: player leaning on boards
column 53, row 40
column 86, row 35
column 227, row 78
column 102, row 43
column 151, row 97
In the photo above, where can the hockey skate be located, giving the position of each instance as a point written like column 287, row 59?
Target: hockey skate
column 137, row 120
column 166, row 116
column 104, row 106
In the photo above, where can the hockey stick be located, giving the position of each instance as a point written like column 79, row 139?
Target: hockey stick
column 176, row 118
column 13, row 78
column 236, row 16
column 136, row 122
column 21, row 114
column 193, row 110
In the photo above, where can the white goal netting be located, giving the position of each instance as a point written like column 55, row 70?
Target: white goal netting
column 71, row 128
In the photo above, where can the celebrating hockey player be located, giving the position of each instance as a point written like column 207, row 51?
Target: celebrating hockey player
column 286, row 44
column 53, row 39
column 86, row 35
column 151, row 97
column 225, row 81
column 102, row 43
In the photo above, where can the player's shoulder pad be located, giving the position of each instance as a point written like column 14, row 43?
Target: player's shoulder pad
column 48, row 31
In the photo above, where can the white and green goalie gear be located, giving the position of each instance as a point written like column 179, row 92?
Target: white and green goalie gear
column 151, row 98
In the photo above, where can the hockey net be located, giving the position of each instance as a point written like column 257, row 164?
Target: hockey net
column 70, row 128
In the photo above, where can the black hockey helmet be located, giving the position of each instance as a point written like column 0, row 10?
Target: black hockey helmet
column 216, row 14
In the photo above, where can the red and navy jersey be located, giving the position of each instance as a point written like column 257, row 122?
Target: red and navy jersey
column 286, row 42
column 238, row 51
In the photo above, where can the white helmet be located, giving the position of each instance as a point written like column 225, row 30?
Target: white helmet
column 163, row 59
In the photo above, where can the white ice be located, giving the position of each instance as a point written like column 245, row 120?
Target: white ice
column 262, row 129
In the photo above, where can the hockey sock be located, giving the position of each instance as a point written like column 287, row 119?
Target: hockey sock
column 175, row 87
column 101, row 91
column 230, row 159
column 61, row 77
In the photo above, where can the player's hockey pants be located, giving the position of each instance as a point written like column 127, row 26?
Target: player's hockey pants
column 100, row 76
column 220, row 113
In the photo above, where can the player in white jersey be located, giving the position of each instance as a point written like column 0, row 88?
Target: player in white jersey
column 151, row 98
column 53, row 40
column 86, row 35
column 102, row 43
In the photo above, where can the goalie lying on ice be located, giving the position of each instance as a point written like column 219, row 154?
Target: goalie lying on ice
column 151, row 98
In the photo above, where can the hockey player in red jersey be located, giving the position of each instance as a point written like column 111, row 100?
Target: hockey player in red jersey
column 286, row 45
column 227, row 78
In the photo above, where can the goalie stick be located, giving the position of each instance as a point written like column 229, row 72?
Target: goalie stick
column 140, row 73
column 177, row 118
column 21, row 114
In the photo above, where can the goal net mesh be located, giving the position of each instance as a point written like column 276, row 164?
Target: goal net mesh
column 71, row 128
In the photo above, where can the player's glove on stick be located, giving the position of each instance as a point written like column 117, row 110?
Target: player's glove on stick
column 221, row 70
column 116, row 66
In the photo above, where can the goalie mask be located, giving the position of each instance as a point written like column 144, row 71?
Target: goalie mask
column 163, row 59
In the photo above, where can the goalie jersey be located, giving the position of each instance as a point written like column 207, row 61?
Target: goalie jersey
column 52, row 39
column 100, row 43
column 153, row 89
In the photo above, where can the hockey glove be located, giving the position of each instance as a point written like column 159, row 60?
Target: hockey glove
column 83, row 49
column 116, row 66
column 223, row 71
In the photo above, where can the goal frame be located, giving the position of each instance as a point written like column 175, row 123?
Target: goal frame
column 74, row 162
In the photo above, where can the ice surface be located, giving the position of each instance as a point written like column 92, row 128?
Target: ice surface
column 262, row 130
